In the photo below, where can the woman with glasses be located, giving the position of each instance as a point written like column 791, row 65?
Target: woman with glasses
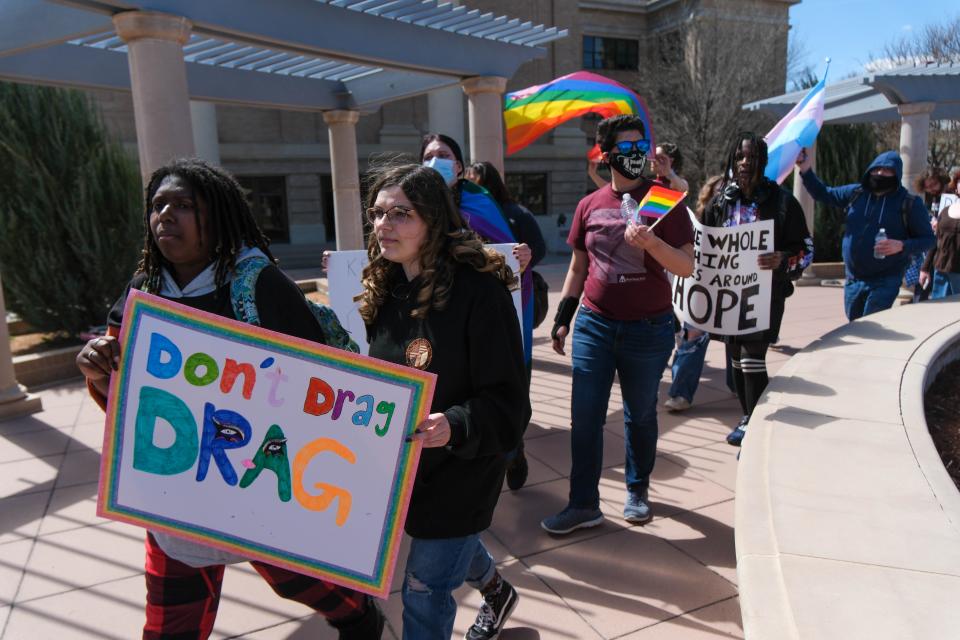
column 435, row 299
column 482, row 214
column 624, row 324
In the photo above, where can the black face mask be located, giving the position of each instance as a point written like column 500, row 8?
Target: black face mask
column 630, row 166
column 879, row 184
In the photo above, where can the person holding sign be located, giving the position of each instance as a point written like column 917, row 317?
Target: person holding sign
column 200, row 234
column 747, row 196
column 436, row 300
column 624, row 325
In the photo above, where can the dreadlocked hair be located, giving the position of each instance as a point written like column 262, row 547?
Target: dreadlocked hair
column 231, row 221
column 759, row 152
column 448, row 243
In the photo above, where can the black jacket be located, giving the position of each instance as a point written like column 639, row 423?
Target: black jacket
column 481, row 387
column 280, row 305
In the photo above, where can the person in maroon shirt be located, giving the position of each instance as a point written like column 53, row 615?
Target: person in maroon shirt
column 624, row 324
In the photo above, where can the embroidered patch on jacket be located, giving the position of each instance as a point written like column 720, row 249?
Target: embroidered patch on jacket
column 419, row 353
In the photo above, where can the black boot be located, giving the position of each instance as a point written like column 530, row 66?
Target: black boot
column 367, row 626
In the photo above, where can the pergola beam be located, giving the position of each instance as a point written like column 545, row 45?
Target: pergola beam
column 33, row 24
column 320, row 29
column 74, row 66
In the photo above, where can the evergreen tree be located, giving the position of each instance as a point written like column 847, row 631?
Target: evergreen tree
column 70, row 209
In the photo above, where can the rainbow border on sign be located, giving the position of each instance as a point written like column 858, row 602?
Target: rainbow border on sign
column 422, row 387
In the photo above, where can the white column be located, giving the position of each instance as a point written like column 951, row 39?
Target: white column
column 485, row 100
column 914, row 139
column 801, row 194
column 206, row 142
column 348, row 213
column 158, row 79
column 14, row 401
column 445, row 112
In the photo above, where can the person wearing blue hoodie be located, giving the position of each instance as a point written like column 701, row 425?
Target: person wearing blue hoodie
column 874, row 269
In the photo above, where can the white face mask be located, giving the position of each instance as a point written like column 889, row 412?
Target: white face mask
column 444, row 167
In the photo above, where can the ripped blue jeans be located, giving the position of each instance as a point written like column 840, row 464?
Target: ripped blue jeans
column 434, row 569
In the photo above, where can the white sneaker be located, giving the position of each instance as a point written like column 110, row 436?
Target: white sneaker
column 677, row 404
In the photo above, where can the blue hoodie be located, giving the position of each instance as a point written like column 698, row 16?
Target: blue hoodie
column 868, row 213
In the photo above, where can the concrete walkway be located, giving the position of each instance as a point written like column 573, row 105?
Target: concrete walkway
column 66, row 574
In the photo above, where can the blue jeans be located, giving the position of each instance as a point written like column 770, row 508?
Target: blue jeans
column 434, row 569
column 944, row 284
column 863, row 297
column 688, row 365
column 638, row 352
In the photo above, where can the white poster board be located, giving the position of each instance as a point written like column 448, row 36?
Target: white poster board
column 260, row 444
column 727, row 293
column 344, row 270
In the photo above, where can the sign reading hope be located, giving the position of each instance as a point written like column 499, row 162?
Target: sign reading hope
column 260, row 444
column 727, row 293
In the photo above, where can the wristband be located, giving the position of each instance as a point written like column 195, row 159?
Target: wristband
column 568, row 306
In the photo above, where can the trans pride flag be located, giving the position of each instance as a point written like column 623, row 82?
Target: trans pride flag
column 531, row 112
column 797, row 129
column 658, row 202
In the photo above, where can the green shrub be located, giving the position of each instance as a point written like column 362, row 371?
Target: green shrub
column 70, row 209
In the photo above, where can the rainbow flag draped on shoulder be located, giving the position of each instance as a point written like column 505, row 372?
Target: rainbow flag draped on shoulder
column 531, row 112
column 796, row 130
column 484, row 216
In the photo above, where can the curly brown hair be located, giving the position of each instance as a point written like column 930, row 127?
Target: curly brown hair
column 707, row 193
column 449, row 242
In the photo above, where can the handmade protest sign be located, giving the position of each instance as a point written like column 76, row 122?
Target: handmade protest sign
column 260, row 444
column 344, row 269
column 727, row 293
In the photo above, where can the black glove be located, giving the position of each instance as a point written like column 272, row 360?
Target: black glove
column 568, row 307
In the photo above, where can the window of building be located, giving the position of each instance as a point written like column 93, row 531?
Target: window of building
column 268, row 199
column 530, row 190
column 610, row 53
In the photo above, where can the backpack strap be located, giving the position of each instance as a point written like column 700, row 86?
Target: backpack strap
column 905, row 207
column 243, row 289
column 854, row 195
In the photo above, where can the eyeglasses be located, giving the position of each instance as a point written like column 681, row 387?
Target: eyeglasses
column 626, row 146
column 395, row 215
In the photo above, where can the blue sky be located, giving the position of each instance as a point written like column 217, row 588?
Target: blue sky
column 848, row 31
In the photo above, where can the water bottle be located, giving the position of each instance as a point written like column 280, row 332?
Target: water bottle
column 628, row 208
column 881, row 235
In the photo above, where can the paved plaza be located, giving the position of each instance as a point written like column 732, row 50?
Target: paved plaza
column 65, row 574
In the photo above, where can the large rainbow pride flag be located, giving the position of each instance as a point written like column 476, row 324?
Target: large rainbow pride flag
column 531, row 112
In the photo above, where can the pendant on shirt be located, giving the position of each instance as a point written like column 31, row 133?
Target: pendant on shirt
column 419, row 353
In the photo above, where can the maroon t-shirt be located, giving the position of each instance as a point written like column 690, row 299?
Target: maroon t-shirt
column 623, row 282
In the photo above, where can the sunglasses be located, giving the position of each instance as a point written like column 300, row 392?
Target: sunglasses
column 626, row 146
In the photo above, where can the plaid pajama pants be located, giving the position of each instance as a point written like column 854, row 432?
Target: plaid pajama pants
column 182, row 600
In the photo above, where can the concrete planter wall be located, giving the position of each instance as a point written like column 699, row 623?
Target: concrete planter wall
column 847, row 524
column 827, row 270
column 35, row 369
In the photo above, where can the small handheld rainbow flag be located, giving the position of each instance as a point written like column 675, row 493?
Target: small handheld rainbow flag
column 531, row 112
column 658, row 202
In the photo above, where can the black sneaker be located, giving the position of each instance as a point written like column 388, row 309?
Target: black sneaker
column 496, row 608
column 366, row 626
column 517, row 471
column 735, row 437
